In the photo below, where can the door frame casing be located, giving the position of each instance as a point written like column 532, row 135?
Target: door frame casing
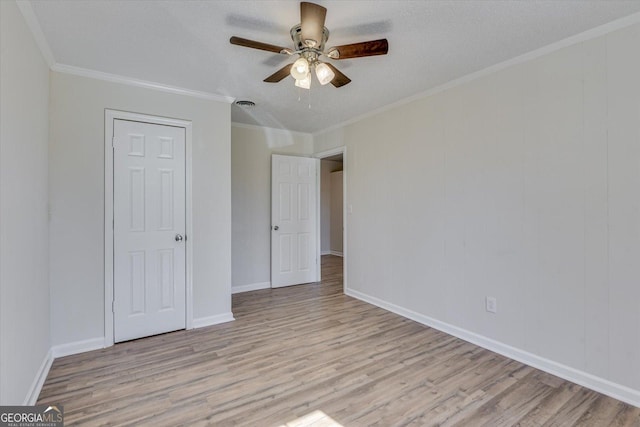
column 322, row 155
column 109, row 117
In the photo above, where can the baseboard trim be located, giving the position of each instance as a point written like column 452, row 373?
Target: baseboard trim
column 336, row 253
column 601, row 385
column 325, row 253
column 213, row 320
column 55, row 352
column 250, row 287
column 38, row 381
column 76, row 347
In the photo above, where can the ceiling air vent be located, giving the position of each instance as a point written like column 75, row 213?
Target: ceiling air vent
column 245, row 103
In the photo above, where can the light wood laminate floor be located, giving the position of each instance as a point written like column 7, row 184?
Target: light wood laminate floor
column 295, row 351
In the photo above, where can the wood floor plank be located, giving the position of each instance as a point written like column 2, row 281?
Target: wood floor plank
column 549, row 406
column 310, row 354
column 575, row 407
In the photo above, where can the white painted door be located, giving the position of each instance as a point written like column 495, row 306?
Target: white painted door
column 294, row 228
column 149, row 229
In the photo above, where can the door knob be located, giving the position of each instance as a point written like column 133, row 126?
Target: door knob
column 178, row 238
column 276, row 227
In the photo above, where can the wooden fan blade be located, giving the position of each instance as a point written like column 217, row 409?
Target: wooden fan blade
column 312, row 23
column 256, row 45
column 340, row 79
column 279, row 75
column 358, row 50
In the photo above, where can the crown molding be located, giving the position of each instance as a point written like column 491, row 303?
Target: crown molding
column 593, row 33
column 114, row 78
column 263, row 128
column 34, row 26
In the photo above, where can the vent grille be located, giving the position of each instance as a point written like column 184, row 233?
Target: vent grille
column 245, row 103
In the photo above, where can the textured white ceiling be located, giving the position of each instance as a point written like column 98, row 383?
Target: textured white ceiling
column 186, row 44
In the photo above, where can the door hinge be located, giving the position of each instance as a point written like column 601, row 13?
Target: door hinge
column 113, row 141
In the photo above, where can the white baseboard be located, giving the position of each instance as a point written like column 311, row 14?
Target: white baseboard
column 325, row 253
column 601, row 385
column 336, row 253
column 213, row 320
column 38, row 381
column 250, row 287
column 53, row 353
column 77, row 347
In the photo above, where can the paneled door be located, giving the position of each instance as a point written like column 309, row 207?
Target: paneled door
column 294, row 226
column 149, row 229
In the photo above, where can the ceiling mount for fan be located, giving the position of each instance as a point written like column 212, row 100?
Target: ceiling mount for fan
column 309, row 40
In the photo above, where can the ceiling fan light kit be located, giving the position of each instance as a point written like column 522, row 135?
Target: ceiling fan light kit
column 304, row 83
column 300, row 69
column 309, row 39
column 324, row 73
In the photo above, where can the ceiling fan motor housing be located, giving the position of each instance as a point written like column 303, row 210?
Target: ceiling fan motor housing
column 310, row 53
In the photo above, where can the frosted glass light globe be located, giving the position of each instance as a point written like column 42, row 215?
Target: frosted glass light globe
column 324, row 73
column 300, row 69
column 304, row 83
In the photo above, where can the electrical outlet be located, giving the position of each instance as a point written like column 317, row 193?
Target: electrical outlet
column 491, row 304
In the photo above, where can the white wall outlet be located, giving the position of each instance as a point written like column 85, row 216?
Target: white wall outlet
column 491, row 304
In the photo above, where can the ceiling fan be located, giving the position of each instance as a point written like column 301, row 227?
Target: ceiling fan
column 309, row 39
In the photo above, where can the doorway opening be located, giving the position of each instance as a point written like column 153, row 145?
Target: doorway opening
column 333, row 206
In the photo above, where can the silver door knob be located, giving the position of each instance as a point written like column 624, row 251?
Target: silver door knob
column 275, row 227
column 178, row 238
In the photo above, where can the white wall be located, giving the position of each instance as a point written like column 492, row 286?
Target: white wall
column 77, row 198
column 251, row 150
column 24, row 283
column 523, row 185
